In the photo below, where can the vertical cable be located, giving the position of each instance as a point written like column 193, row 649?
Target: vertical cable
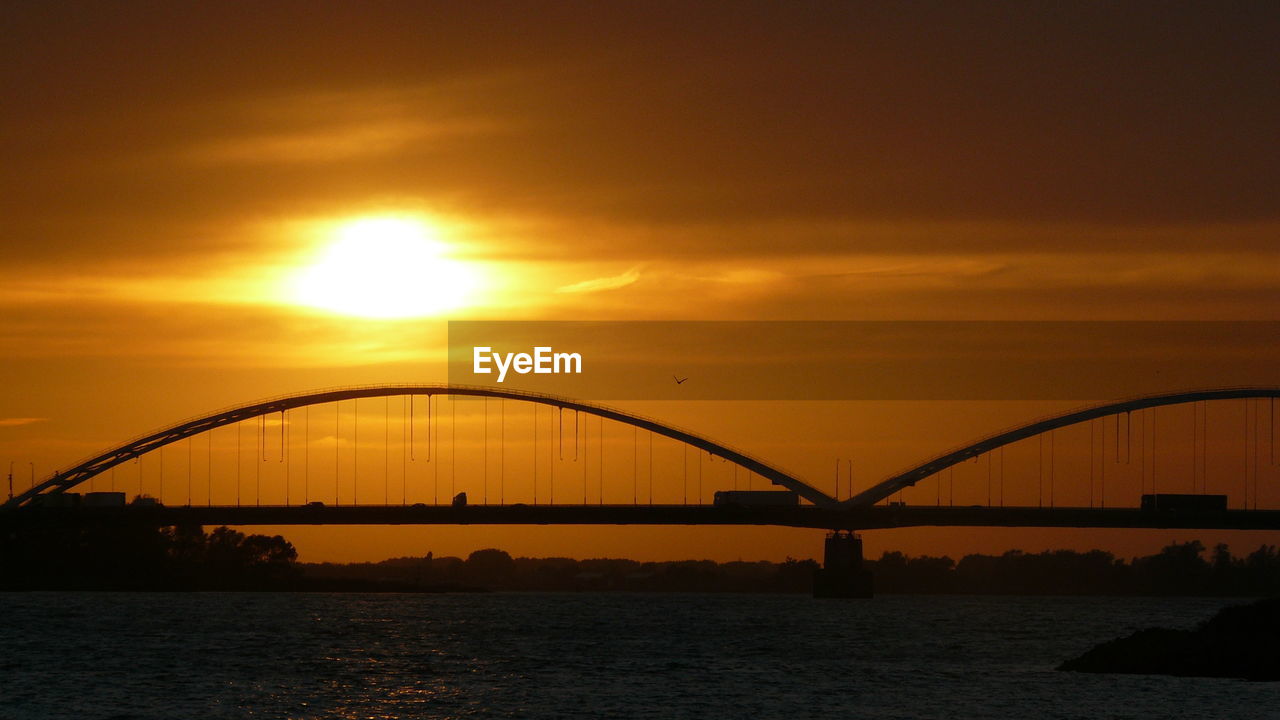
column 1245, row 489
column 238, row 461
column 699, row 478
column 1195, row 446
column 190, row 438
column 1155, row 456
column 1257, row 421
column 209, row 470
column 1128, row 437
column 386, row 449
column 1092, row 450
column 337, row 427
column 284, row 452
column 306, row 455
column 355, row 451
column 1142, row 447
column 1102, row 463
column 453, row 447
column 502, row 451
column 435, row 463
column 1204, row 457
column 1052, row 447
column 535, row 454
column 485, row 475
column 650, row 467
column 1001, row 476
column 988, row 479
column 405, row 443
column 684, row 467
column 635, row 466
column 551, row 476
column 1117, row 419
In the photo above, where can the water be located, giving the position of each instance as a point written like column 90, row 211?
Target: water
column 106, row 655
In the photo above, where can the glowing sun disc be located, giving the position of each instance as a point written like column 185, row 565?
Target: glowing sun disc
column 385, row 268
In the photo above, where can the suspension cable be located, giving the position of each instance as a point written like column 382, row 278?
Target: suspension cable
column 535, row 454
column 355, row 453
column 386, row 450
column 306, row 455
column 502, row 450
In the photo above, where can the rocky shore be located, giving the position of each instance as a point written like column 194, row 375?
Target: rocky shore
column 1238, row 642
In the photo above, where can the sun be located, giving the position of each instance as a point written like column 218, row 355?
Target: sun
column 385, row 267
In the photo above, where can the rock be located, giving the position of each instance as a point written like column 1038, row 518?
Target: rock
column 1237, row 642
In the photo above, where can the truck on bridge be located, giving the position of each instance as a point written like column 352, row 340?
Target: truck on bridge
column 1176, row 501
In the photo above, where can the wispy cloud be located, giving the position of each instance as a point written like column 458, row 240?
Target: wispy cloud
column 328, row 144
column 604, row 283
column 14, row 422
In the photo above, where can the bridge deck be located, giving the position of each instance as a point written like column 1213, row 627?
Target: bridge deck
column 865, row 518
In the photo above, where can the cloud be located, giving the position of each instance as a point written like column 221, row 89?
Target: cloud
column 601, row 284
column 14, row 422
column 332, row 144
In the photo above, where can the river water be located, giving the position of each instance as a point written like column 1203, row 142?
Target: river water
column 264, row 655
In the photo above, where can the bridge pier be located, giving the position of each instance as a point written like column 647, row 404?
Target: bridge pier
column 842, row 574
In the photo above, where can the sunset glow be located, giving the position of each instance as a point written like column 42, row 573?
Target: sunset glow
column 385, row 267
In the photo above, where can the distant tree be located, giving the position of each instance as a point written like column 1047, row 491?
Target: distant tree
column 489, row 565
column 1261, row 570
column 1178, row 569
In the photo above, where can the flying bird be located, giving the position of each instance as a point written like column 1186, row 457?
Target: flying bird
column 679, row 380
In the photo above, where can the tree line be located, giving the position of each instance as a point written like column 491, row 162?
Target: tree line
column 125, row 557
column 133, row 557
column 1178, row 569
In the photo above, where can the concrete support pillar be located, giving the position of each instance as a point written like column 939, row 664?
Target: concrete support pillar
column 842, row 574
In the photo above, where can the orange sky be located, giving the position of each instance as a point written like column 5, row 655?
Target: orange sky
column 173, row 175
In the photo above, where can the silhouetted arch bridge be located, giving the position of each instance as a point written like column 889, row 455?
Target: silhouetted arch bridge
column 869, row 509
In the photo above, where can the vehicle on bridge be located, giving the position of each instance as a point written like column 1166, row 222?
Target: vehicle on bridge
column 1175, row 501
column 103, row 499
column 756, row 498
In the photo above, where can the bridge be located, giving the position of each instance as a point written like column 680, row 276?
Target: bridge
column 867, row 518
column 571, row 462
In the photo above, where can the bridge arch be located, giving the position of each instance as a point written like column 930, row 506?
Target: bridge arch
column 911, row 476
column 64, row 480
